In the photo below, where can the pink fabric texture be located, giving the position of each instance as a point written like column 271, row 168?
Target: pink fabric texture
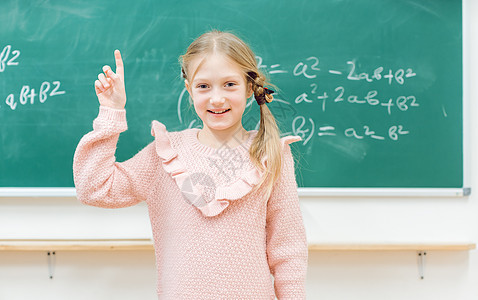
column 214, row 236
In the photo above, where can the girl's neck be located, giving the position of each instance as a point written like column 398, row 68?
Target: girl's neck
column 226, row 138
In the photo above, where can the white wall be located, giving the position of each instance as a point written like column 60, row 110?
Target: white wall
column 332, row 275
column 95, row 275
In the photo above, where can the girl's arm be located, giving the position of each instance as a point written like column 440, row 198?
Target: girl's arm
column 287, row 251
column 99, row 179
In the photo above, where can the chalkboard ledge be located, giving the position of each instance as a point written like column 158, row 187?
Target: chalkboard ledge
column 37, row 192
column 303, row 192
column 384, row 192
column 147, row 244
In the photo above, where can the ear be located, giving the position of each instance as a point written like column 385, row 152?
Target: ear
column 249, row 90
column 188, row 87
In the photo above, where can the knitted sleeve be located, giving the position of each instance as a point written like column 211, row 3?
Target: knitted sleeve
column 99, row 179
column 287, row 251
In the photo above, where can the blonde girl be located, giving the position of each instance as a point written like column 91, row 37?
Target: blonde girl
column 222, row 200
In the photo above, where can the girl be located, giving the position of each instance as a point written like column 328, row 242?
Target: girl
column 222, row 201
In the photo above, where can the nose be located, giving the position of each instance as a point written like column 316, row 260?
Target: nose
column 217, row 99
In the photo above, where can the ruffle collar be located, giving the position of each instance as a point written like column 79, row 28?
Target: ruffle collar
column 193, row 193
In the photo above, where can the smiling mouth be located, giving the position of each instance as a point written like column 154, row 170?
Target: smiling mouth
column 219, row 112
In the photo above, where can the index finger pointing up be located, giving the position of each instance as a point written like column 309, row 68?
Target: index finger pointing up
column 119, row 64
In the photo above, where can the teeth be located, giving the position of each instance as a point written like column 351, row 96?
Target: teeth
column 219, row 112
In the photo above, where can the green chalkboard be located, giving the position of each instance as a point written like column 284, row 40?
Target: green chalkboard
column 373, row 87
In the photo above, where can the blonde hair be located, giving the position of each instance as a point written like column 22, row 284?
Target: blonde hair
column 267, row 141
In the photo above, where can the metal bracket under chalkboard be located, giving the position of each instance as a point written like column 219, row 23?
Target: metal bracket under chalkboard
column 384, row 192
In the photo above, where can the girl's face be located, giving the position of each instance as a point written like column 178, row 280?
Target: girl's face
column 219, row 91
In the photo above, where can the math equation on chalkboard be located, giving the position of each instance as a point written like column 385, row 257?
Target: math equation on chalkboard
column 322, row 98
column 26, row 94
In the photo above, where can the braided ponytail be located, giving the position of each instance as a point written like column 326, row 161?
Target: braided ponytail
column 267, row 141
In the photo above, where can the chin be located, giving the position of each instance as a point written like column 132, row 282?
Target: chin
column 218, row 128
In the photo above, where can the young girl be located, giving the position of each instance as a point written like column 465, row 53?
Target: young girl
column 222, row 201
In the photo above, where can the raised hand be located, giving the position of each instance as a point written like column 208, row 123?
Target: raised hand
column 110, row 85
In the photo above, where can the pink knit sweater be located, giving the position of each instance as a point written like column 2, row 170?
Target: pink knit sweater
column 214, row 237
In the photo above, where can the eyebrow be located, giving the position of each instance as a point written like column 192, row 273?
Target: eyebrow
column 225, row 78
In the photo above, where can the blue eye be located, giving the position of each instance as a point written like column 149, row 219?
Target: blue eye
column 230, row 84
column 202, row 86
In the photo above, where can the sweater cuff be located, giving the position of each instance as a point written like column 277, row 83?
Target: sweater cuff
column 111, row 119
